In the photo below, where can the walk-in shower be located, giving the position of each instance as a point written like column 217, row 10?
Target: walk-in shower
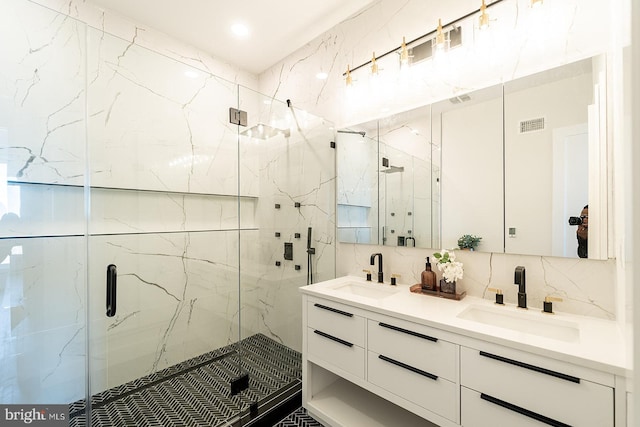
column 143, row 278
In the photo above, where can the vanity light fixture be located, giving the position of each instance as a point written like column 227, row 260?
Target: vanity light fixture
column 404, row 54
column 374, row 66
column 484, row 17
column 441, row 42
column 348, row 79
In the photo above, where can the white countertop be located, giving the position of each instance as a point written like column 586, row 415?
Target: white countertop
column 598, row 344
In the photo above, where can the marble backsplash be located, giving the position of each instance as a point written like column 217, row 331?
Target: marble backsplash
column 587, row 287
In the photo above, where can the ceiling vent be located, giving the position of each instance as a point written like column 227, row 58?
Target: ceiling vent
column 532, row 125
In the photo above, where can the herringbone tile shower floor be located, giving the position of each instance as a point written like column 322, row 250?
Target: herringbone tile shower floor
column 196, row 392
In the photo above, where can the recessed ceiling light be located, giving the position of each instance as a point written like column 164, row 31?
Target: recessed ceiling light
column 240, row 30
column 322, row 75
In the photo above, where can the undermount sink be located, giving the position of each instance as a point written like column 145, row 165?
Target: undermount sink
column 372, row 290
column 529, row 323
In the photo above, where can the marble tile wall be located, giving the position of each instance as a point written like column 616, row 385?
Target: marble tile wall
column 43, row 283
column 42, row 320
column 522, row 41
column 357, row 188
column 195, row 262
column 298, row 168
column 587, row 287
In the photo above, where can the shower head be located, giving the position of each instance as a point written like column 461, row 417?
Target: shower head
column 393, row 169
column 362, row 133
column 261, row 131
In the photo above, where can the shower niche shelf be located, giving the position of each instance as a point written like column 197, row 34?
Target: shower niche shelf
column 135, row 190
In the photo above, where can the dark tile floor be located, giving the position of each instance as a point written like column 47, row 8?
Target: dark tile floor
column 197, row 392
column 299, row 418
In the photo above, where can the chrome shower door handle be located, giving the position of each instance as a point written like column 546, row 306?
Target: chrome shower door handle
column 112, row 278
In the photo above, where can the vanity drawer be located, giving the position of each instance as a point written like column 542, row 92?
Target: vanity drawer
column 429, row 391
column 538, row 388
column 339, row 353
column 415, row 345
column 337, row 320
column 479, row 411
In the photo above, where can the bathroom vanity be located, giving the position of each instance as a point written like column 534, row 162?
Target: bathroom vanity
column 379, row 355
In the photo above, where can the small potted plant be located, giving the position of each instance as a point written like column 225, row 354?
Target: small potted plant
column 469, row 241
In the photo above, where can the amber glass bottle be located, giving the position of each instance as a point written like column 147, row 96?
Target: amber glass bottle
column 428, row 279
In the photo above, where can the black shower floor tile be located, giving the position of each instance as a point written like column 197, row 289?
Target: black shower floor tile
column 197, row 392
column 299, row 418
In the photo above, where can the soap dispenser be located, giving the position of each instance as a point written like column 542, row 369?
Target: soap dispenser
column 428, row 280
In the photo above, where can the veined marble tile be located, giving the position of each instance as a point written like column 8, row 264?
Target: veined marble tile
column 41, row 210
column 42, row 320
column 171, row 289
column 125, row 211
column 587, row 287
column 42, row 95
column 297, row 169
column 153, row 127
column 122, row 27
column 44, row 367
column 158, row 124
column 520, row 41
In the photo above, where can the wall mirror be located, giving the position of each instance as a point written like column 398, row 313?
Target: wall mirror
column 512, row 163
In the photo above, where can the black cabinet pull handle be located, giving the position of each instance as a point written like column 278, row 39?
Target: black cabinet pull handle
column 522, row 411
column 112, row 278
column 407, row 331
column 334, row 310
column 408, row 367
column 532, row 367
column 331, row 337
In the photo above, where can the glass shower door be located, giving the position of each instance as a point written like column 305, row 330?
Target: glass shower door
column 43, row 262
column 163, row 238
column 287, row 238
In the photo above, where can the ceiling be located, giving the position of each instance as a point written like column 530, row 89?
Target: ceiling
column 277, row 27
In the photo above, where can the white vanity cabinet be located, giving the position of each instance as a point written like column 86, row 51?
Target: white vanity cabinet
column 408, row 360
column 335, row 335
column 415, row 363
column 521, row 389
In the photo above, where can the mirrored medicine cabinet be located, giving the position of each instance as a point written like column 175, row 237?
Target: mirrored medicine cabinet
column 511, row 163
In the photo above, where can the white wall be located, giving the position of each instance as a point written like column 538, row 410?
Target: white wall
column 529, row 159
column 472, row 177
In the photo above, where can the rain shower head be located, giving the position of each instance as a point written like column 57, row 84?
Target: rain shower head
column 393, row 169
column 261, row 131
column 361, row 133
